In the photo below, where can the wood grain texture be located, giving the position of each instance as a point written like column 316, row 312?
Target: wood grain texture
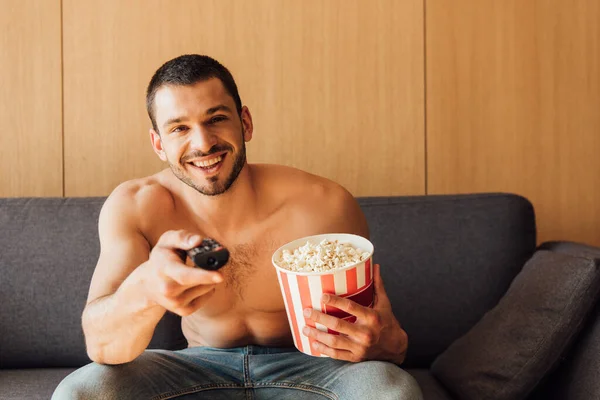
column 30, row 98
column 513, row 104
column 335, row 86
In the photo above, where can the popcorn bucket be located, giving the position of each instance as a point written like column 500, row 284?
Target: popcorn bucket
column 301, row 290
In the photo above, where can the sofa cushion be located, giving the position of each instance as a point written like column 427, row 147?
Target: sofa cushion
column 578, row 377
column 30, row 384
column 431, row 387
column 49, row 251
column 513, row 347
column 446, row 260
column 39, row 384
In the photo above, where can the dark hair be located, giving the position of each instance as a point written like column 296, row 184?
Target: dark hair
column 188, row 70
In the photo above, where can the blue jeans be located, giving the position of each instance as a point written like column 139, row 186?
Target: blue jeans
column 250, row 372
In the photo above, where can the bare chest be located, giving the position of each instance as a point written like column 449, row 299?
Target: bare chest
column 250, row 280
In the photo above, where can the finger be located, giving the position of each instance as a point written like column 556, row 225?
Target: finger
column 346, row 305
column 200, row 301
column 380, row 295
column 331, row 322
column 338, row 354
column 192, row 300
column 181, row 239
column 340, row 342
column 359, row 335
column 192, row 294
column 191, row 276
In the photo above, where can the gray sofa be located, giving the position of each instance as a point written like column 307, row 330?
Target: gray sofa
column 446, row 261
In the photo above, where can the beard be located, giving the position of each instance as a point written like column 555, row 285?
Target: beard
column 215, row 185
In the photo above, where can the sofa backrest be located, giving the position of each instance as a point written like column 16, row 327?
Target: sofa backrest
column 445, row 261
column 48, row 252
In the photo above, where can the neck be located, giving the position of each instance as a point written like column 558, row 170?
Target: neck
column 224, row 214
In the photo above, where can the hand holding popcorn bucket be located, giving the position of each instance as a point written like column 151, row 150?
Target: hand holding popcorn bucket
column 311, row 266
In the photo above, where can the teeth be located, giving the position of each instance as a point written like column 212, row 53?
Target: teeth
column 208, row 163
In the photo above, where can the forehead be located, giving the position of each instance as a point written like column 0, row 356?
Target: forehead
column 190, row 100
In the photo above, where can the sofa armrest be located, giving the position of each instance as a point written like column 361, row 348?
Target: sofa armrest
column 572, row 248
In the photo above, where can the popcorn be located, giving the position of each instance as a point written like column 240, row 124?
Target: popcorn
column 325, row 256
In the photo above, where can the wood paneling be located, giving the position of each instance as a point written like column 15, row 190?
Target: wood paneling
column 335, row 86
column 30, row 98
column 513, row 104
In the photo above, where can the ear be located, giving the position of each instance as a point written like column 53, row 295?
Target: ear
column 157, row 144
column 247, row 123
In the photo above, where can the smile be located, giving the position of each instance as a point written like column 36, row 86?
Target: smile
column 207, row 163
column 208, row 166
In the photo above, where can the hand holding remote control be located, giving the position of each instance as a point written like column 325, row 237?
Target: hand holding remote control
column 167, row 280
column 210, row 255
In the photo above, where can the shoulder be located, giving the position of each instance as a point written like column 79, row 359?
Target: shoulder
column 316, row 203
column 332, row 208
column 131, row 202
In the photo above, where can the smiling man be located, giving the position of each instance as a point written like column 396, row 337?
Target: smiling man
column 240, row 344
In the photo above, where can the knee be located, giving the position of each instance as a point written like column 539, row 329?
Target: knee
column 391, row 381
column 94, row 381
column 408, row 386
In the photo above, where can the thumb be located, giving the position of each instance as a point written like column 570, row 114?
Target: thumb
column 381, row 298
column 181, row 239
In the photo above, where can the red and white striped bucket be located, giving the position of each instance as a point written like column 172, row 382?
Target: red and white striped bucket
column 303, row 290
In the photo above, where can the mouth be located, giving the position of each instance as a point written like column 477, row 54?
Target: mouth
column 209, row 166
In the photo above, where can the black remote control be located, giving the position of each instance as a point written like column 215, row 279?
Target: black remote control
column 209, row 254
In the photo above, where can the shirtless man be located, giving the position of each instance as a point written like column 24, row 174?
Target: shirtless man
column 234, row 319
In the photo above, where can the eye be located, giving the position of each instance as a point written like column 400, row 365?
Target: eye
column 180, row 128
column 217, row 119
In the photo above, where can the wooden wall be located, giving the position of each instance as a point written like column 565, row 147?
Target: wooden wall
column 513, row 104
column 387, row 97
column 30, row 98
column 335, row 86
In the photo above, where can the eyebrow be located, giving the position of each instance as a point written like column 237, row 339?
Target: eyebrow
column 173, row 121
column 220, row 107
column 210, row 111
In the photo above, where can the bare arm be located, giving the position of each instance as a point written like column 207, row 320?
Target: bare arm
column 116, row 322
column 376, row 334
column 132, row 286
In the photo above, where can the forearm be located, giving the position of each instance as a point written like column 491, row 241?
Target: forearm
column 118, row 327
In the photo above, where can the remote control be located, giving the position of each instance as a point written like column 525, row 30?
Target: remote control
column 209, row 254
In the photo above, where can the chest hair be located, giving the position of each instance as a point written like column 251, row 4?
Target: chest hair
column 243, row 265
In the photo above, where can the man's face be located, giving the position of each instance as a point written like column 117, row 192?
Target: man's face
column 202, row 137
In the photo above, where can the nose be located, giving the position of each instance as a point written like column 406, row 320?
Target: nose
column 201, row 139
